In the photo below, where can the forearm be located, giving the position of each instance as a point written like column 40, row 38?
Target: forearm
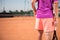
column 56, row 9
column 33, row 6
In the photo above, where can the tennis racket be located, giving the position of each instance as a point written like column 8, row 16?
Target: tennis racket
column 55, row 36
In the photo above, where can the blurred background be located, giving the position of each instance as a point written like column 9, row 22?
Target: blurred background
column 17, row 20
column 17, row 8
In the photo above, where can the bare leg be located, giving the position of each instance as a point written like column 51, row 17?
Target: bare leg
column 40, row 34
column 49, row 35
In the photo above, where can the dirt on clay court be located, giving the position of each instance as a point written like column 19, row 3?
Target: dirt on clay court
column 20, row 28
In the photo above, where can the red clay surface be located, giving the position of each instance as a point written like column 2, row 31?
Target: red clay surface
column 20, row 28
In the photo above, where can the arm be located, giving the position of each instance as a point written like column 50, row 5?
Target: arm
column 33, row 6
column 55, row 6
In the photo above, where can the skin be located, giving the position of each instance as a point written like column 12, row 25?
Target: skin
column 55, row 7
column 33, row 6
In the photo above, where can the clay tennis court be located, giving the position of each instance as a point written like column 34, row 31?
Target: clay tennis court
column 20, row 28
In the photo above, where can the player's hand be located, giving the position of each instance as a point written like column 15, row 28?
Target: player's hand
column 55, row 21
column 34, row 13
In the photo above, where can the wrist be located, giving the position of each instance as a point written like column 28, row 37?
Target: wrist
column 34, row 12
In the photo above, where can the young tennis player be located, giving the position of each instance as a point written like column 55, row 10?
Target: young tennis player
column 44, row 17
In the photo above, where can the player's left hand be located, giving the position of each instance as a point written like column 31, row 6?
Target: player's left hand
column 55, row 21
